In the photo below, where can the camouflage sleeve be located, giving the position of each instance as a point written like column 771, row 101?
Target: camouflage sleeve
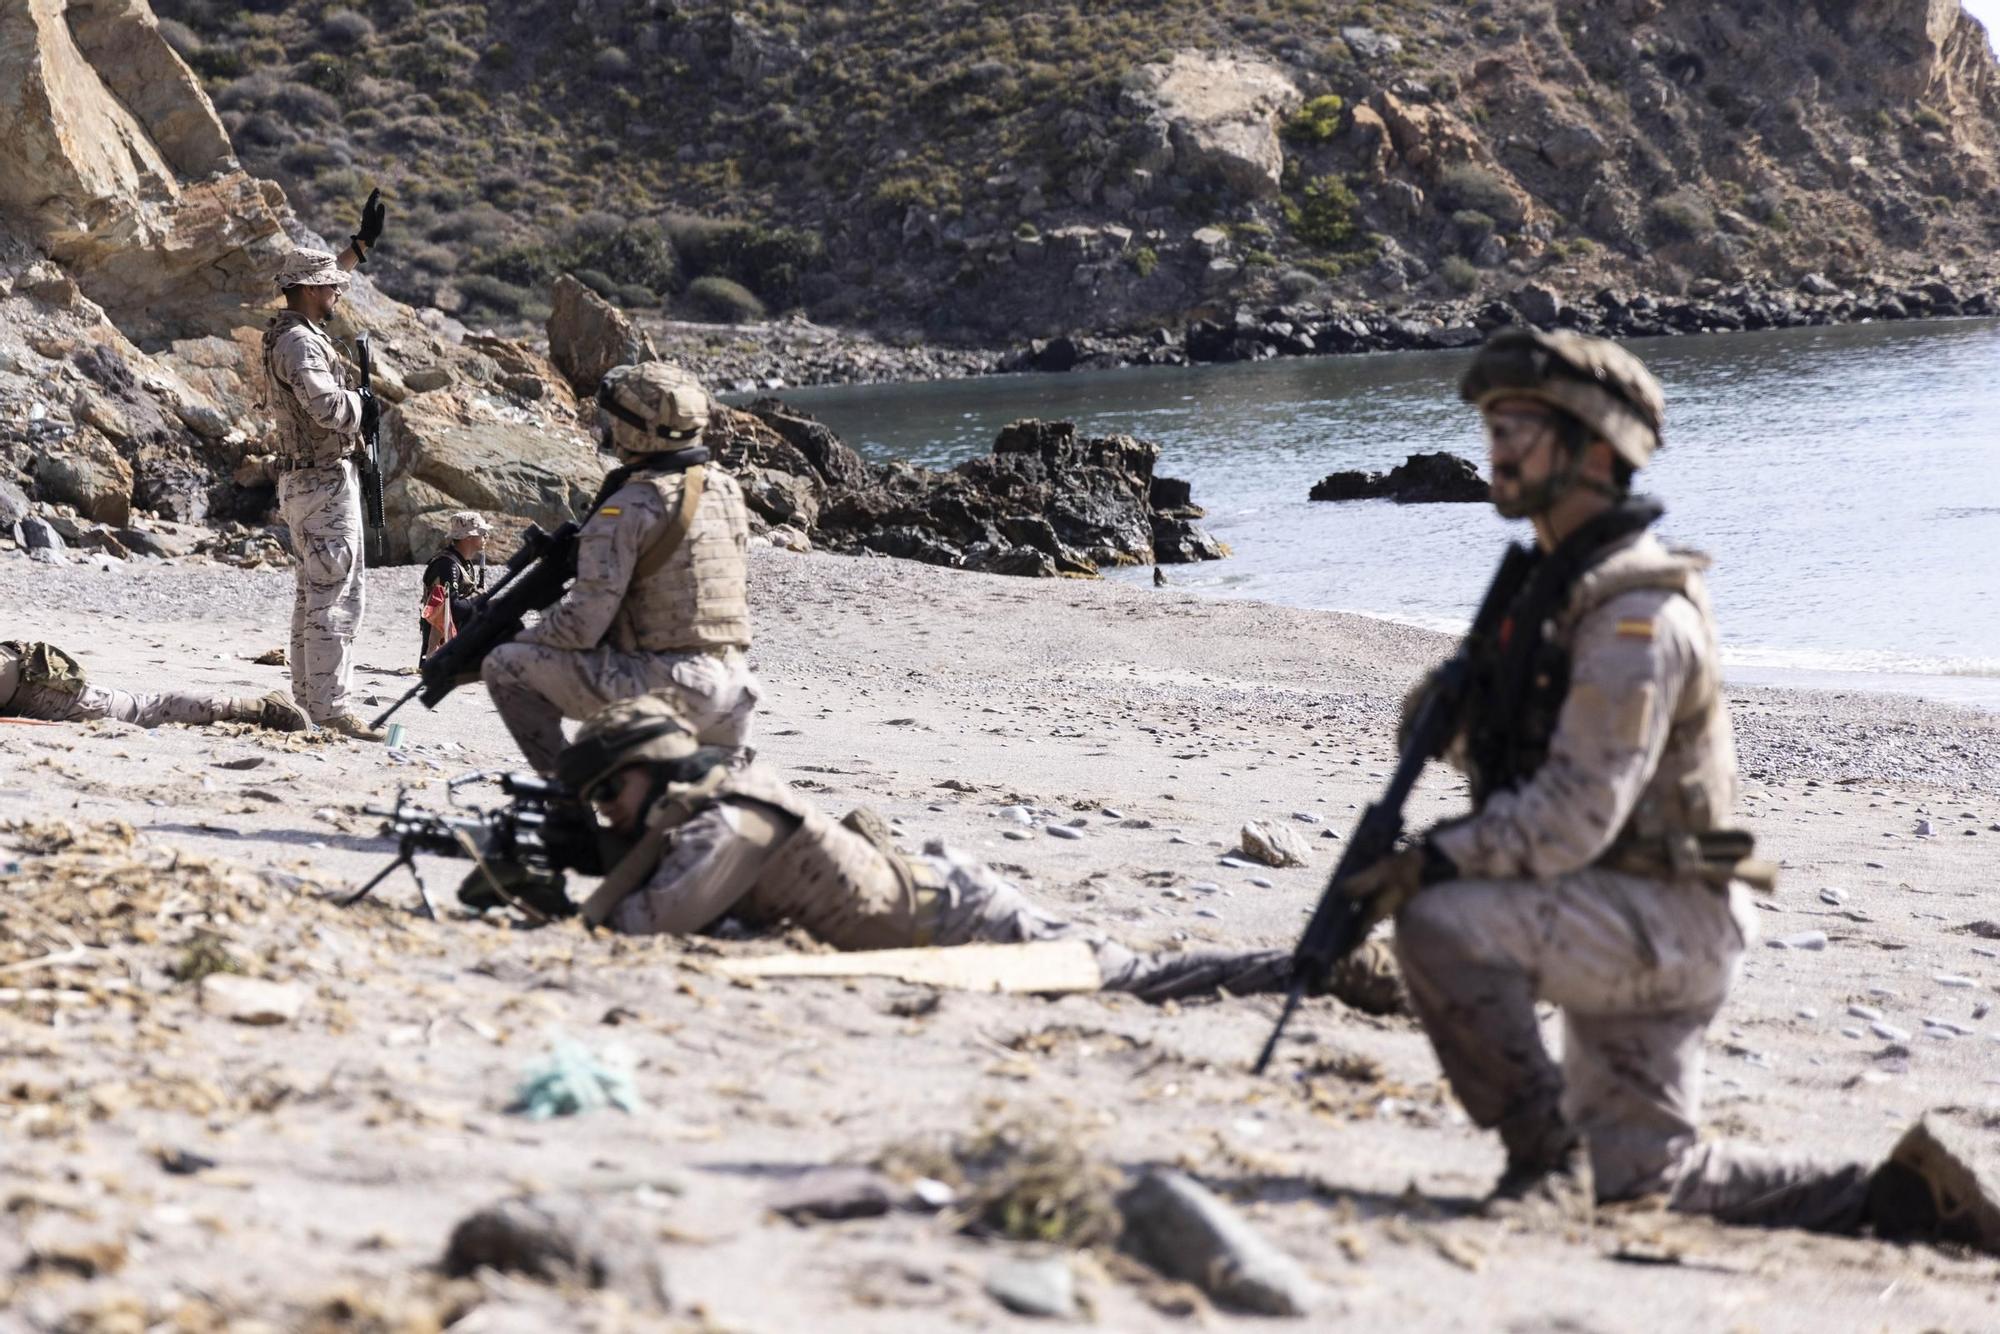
column 1633, row 659
column 606, row 552
column 706, row 869
column 307, row 369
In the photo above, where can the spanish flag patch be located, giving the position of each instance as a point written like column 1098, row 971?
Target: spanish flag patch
column 1635, row 628
column 613, row 511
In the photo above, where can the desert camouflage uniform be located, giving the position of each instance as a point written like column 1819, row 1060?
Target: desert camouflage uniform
column 1568, row 896
column 319, row 498
column 29, row 689
column 757, row 850
column 679, row 632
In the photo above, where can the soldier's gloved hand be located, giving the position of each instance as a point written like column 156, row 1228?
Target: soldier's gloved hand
column 373, row 214
column 371, row 411
column 1388, row 884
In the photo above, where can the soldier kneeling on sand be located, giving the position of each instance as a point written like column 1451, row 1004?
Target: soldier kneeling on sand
column 660, row 603
column 702, row 839
column 42, row 682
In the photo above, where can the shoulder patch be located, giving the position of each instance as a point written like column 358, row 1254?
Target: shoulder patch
column 1633, row 627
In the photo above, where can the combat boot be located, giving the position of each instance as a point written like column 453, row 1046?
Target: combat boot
column 279, row 712
column 1555, row 1191
column 1930, row 1189
column 347, row 725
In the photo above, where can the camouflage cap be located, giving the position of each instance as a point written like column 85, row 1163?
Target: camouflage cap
column 632, row 731
column 1592, row 379
column 311, row 268
column 467, row 523
column 653, row 406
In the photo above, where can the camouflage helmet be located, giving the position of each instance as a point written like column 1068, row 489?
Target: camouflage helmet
column 1593, row 379
column 631, row 731
column 311, row 268
column 467, row 523
column 653, row 406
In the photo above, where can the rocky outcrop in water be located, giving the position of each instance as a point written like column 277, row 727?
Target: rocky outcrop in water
column 1421, row 479
column 1046, row 501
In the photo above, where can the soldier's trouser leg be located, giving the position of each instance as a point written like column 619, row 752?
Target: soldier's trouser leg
column 145, row 709
column 535, row 688
column 978, row 904
column 1639, row 968
column 322, row 508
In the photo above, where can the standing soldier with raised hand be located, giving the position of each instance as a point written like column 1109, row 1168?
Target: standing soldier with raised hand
column 320, row 422
column 660, row 604
column 1599, row 870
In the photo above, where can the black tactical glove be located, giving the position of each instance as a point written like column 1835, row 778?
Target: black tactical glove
column 371, row 412
column 372, row 215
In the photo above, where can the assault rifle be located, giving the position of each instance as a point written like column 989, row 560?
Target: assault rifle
column 1336, row 928
column 520, row 850
column 369, row 459
column 535, row 578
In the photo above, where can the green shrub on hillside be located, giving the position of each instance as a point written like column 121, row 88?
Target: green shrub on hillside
column 1468, row 186
column 1682, row 216
column 1315, row 122
column 721, row 299
column 1144, row 260
column 632, row 296
column 485, row 293
column 1458, row 274
column 1323, row 214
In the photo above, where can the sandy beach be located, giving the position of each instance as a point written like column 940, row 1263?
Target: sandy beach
column 977, row 709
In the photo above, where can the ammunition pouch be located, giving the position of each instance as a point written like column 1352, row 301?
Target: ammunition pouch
column 1715, row 857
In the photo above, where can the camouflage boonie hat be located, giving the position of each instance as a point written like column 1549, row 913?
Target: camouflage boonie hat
column 1592, row 379
column 311, row 268
column 653, row 406
column 632, row 731
column 467, row 523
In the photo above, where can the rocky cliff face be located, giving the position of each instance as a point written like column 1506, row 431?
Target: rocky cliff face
column 937, row 169
column 136, row 267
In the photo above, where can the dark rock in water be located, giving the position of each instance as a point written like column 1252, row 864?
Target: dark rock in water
column 1046, row 501
column 1422, row 479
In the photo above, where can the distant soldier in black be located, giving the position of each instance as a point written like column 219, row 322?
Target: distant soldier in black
column 459, row 570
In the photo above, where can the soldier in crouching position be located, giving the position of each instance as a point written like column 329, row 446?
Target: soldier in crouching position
column 703, row 839
column 42, row 682
column 660, row 602
column 1599, row 871
column 452, row 580
column 320, row 423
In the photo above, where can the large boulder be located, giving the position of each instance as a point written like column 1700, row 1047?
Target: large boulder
column 1221, row 115
column 588, row 336
column 87, row 471
column 514, row 473
column 1437, row 478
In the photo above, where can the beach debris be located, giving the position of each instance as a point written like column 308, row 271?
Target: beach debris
column 1020, row 1180
column 1834, row 897
column 1273, row 844
column 1865, row 1012
column 1889, row 1032
column 1065, row 831
column 270, row 657
column 834, row 1193
column 573, row 1080
column 1924, row 829
column 1983, row 929
column 928, row 1195
column 1045, row 1288
column 558, row 1239
column 1953, row 980
column 1800, row 940
column 251, row 1000
column 181, row 1162
column 1186, row 1232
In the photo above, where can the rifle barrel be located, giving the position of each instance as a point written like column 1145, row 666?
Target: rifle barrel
column 390, row 712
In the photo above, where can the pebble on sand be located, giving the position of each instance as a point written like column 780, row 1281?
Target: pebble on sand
column 1802, row 940
column 251, row 1000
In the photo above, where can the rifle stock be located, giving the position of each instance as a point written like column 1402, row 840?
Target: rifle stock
column 1335, row 930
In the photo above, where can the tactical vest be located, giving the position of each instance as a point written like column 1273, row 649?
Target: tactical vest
column 299, row 440
column 29, row 663
column 1694, row 788
column 698, row 597
column 839, row 886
